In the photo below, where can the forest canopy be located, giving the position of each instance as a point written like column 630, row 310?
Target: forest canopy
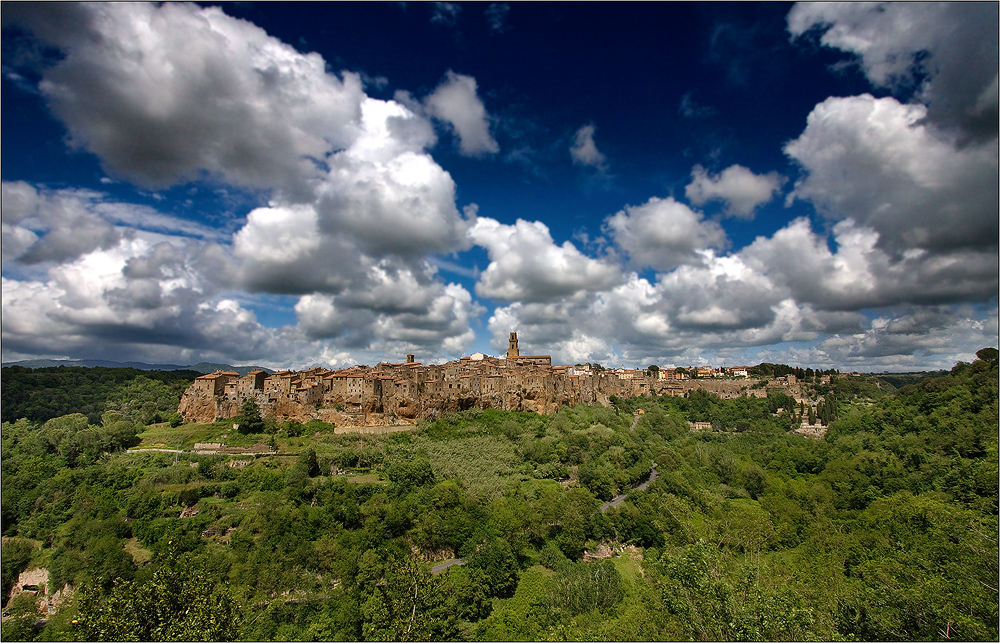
column 40, row 394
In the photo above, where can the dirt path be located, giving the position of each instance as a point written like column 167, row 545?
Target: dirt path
column 375, row 430
column 157, row 450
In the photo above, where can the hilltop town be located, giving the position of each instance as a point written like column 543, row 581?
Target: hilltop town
column 398, row 393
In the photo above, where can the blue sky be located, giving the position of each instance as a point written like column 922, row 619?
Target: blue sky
column 329, row 184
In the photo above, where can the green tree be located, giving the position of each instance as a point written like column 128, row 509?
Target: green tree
column 23, row 618
column 14, row 558
column 989, row 355
column 309, row 462
column 107, row 562
column 411, row 474
column 249, row 419
column 597, row 479
column 827, row 410
column 922, row 569
column 180, row 602
column 144, row 400
column 498, row 564
column 401, row 601
column 572, row 537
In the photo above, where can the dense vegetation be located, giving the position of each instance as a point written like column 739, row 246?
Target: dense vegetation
column 40, row 394
column 885, row 529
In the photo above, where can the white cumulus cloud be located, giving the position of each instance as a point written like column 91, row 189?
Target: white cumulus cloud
column 162, row 93
column 394, row 313
column 446, row 13
column 740, row 189
column 456, row 102
column 664, row 233
column 52, row 226
column 584, row 150
column 357, row 207
column 875, row 161
column 527, row 265
column 948, row 47
column 496, row 15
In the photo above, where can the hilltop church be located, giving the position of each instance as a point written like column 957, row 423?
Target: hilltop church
column 514, row 355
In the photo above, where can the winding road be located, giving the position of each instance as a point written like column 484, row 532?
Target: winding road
column 440, row 567
column 617, row 500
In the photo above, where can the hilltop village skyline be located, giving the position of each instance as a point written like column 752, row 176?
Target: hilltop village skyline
column 388, row 392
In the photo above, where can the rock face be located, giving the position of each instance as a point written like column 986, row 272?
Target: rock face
column 35, row 583
column 199, row 408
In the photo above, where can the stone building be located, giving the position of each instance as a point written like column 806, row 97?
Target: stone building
column 408, row 390
column 392, row 392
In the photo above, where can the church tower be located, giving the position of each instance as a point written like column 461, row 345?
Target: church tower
column 512, row 352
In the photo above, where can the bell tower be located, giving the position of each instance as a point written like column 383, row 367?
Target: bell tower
column 512, row 352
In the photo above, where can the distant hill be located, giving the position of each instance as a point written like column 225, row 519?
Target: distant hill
column 90, row 363
column 200, row 367
column 211, row 367
column 899, row 380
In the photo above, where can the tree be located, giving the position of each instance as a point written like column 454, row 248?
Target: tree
column 573, row 536
column 144, row 400
column 754, row 480
column 411, row 475
column 827, row 410
column 496, row 560
column 308, row 460
column 401, row 601
column 925, row 569
column 16, row 554
column 179, row 603
column 250, row 420
column 597, row 480
column 23, row 618
column 653, row 371
column 989, row 355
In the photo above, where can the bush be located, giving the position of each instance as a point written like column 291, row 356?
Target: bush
column 179, row 602
column 292, row 428
column 579, row 588
column 14, row 558
column 553, row 557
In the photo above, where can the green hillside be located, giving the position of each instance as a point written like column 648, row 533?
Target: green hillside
column 884, row 529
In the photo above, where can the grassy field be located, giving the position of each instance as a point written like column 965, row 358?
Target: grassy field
column 185, row 436
column 483, row 463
